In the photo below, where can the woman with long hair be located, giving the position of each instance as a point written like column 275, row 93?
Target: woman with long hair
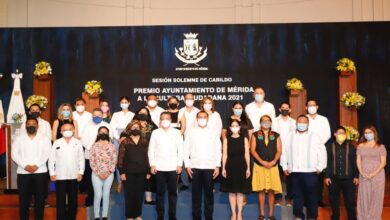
column 371, row 160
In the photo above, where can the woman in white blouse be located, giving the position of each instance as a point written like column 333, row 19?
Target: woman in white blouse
column 214, row 122
column 118, row 123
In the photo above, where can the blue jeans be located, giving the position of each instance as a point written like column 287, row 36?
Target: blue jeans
column 101, row 189
column 118, row 175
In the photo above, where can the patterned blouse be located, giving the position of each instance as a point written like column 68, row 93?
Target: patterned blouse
column 103, row 158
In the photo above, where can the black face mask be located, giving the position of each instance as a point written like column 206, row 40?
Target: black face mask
column 35, row 114
column 284, row 112
column 135, row 132
column 172, row 105
column 142, row 117
column 104, row 137
column 31, row 129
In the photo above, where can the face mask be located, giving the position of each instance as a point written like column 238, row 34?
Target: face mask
column 207, row 107
column 237, row 111
column 103, row 137
column 35, row 114
column 301, row 127
column 152, row 103
column 65, row 114
column 80, row 108
column 172, row 105
column 202, row 122
column 259, row 98
column 341, row 137
column 125, row 106
column 312, row 110
column 369, row 136
column 266, row 125
column 235, row 130
column 67, row 134
column 165, row 123
column 142, row 117
column 284, row 112
column 135, row 132
column 31, row 129
column 97, row 119
column 105, row 109
column 189, row 102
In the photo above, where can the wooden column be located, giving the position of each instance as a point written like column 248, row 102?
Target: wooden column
column 91, row 101
column 347, row 83
column 44, row 86
column 297, row 100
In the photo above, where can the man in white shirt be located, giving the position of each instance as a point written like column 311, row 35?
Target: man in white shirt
column 202, row 158
column 30, row 151
column 284, row 125
column 303, row 159
column 166, row 159
column 187, row 117
column 43, row 126
column 320, row 125
column 66, row 167
column 187, row 114
column 88, row 138
column 80, row 115
column 154, row 110
column 259, row 107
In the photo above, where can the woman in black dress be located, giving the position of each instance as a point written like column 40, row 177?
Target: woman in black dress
column 235, row 168
column 238, row 113
column 64, row 116
column 133, row 165
column 147, row 127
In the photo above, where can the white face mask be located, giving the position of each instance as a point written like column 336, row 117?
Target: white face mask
column 67, row 134
column 207, row 107
column 165, row 123
column 152, row 103
column 235, row 130
column 312, row 110
column 189, row 102
column 80, row 108
column 202, row 122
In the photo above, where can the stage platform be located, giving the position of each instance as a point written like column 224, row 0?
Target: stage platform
column 9, row 207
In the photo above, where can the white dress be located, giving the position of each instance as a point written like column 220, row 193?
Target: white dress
column 16, row 104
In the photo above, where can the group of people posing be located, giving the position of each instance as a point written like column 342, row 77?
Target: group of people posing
column 154, row 149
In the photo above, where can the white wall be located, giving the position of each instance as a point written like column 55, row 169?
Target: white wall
column 49, row 13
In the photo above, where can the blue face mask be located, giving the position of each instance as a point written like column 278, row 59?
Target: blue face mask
column 237, row 111
column 369, row 136
column 97, row 119
column 301, row 127
column 124, row 106
column 65, row 114
column 259, row 98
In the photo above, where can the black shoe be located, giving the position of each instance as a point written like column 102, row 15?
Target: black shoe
column 183, row 188
column 105, row 218
column 150, row 202
column 97, row 218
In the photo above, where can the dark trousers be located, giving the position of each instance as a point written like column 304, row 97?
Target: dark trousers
column 134, row 194
column 87, row 182
column 202, row 185
column 305, row 191
column 66, row 188
column 320, row 186
column 346, row 187
column 289, row 188
column 166, row 180
column 32, row 185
